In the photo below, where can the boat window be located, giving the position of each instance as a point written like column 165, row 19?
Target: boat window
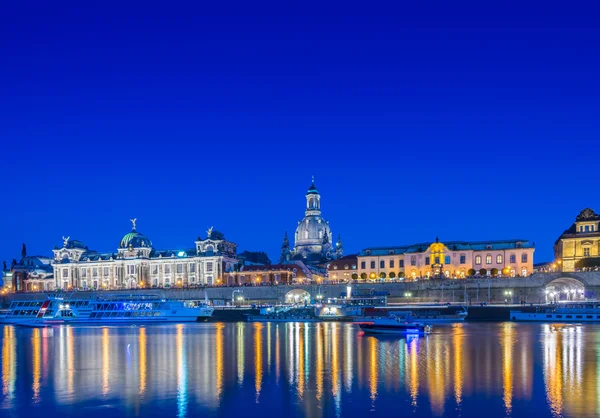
column 100, row 314
column 21, row 304
column 16, row 312
column 93, row 315
column 589, row 317
column 569, row 316
column 113, row 314
column 578, row 316
column 559, row 316
column 127, row 314
column 548, row 316
column 156, row 313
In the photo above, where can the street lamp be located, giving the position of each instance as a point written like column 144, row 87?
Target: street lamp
column 407, row 294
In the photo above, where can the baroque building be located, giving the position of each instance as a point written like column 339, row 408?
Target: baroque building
column 580, row 242
column 313, row 240
column 137, row 263
column 454, row 259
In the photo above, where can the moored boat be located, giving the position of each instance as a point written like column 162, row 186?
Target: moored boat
column 394, row 325
column 119, row 309
column 588, row 311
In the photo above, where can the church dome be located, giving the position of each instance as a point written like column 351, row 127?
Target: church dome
column 136, row 240
column 311, row 230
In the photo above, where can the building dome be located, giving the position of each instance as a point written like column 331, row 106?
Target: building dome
column 311, row 231
column 135, row 240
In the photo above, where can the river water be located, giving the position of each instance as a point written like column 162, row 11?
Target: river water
column 313, row 370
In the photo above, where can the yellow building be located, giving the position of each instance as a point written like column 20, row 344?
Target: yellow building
column 455, row 259
column 580, row 241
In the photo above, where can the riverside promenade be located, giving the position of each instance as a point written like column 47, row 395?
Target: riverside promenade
column 532, row 289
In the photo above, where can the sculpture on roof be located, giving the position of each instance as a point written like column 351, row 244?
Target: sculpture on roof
column 209, row 232
column 65, row 241
column 133, row 221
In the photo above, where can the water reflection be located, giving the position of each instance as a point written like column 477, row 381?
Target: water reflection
column 323, row 369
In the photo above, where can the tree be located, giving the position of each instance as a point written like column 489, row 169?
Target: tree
column 588, row 262
column 363, row 276
column 401, row 275
column 392, row 275
column 382, row 275
column 471, row 272
column 354, row 276
column 494, row 272
column 483, row 272
column 23, row 251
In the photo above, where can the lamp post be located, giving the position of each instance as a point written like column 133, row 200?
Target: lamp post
column 508, row 294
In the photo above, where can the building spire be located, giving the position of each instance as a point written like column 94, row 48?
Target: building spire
column 133, row 221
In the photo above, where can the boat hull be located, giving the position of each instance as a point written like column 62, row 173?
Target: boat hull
column 518, row 316
column 392, row 329
column 251, row 318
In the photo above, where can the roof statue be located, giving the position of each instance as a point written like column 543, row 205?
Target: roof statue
column 209, row 232
column 65, row 241
column 133, row 221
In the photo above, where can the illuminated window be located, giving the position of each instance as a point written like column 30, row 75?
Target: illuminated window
column 463, row 259
column 478, row 260
column 192, row 268
column 498, row 259
column 586, row 252
column 130, row 269
column 513, row 258
column 155, row 269
column 447, row 260
column 488, row 259
column 523, row 258
column 587, row 228
column 209, row 266
column 179, row 268
column 95, row 271
column 167, row 269
column 65, row 273
column 83, row 272
column 106, row 271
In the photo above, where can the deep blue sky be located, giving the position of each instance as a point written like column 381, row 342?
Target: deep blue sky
column 467, row 121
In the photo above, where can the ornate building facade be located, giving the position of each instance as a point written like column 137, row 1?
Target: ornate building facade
column 138, row 264
column 581, row 241
column 455, row 259
column 313, row 243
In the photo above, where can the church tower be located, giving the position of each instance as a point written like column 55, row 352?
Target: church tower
column 286, row 253
column 339, row 248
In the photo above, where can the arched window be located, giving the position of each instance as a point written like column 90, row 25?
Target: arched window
column 524, row 272
column 513, row 258
column 499, row 259
column 382, row 264
column 587, row 228
column 488, row 259
column 463, row 259
column 447, row 259
column 523, row 258
column 478, row 260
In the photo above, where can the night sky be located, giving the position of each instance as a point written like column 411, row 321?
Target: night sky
column 458, row 120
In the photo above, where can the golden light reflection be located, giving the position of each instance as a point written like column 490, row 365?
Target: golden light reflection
column 258, row 357
column 300, row 362
column 335, row 367
column 349, row 341
column 506, row 342
column 457, row 344
column 220, row 358
column 105, row 360
column 373, row 369
column 9, row 363
column 37, row 360
column 143, row 361
column 277, row 355
column 413, row 370
column 70, row 361
column 435, row 375
column 182, row 387
column 319, row 361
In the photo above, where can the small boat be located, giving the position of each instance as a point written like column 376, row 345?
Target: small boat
column 394, row 325
column 584, row 311
column 432, row 317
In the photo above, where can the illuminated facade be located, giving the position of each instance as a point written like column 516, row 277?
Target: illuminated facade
column 455, row 259
column 137, row 264
column 580, row 241
column 345, row 269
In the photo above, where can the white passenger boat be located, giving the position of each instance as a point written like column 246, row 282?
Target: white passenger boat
column 394, row 325
column 561, row 312
column 114, row 310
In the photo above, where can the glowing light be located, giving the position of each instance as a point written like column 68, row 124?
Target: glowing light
column 181, row 254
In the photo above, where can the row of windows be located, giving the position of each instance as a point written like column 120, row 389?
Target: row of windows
column 131, row 269
column 587, row 228
column 462, row 260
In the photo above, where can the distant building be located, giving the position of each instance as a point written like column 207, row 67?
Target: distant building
column 581, row 241
column 454, row 259
column 32, row 274
column 274, row 274
column 137, row 263
column 313, row 242
column 344, row 268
